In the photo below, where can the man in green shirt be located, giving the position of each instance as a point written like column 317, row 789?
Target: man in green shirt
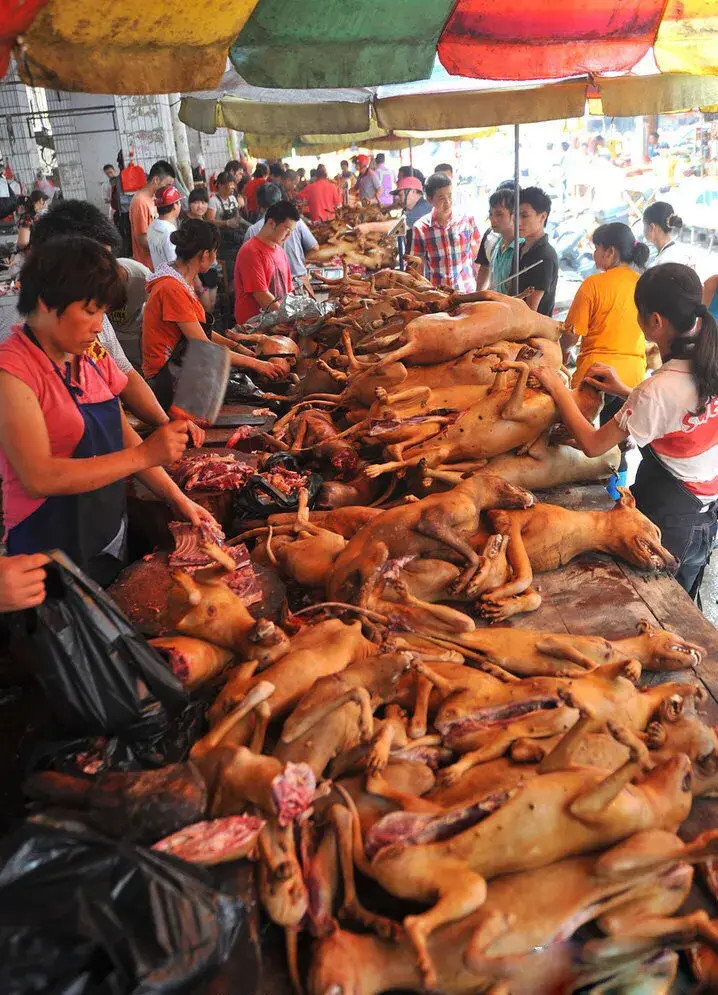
column 496, row 260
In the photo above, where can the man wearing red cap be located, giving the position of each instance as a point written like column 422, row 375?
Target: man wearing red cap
column 368, row 183
column 410, row 193
column 168, row 202
column 322, row 197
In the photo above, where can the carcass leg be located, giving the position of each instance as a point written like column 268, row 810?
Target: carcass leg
column 419, row 720
column 498, row 610
column 448, row 618
column 436, row 527
column 349, row 847
column 377, row 469
column 592, row 805
column 513, row 409
column 560, row 757
column 403, row 396
column 560, row 648
column 500, row 743
column 263, row 714
column 304, row 723
column 520, row 564
column 465, row 895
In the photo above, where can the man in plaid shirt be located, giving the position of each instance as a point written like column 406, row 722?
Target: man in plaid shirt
column 447, row 245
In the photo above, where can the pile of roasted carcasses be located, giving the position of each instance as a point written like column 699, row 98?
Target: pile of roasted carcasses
column 440, row 806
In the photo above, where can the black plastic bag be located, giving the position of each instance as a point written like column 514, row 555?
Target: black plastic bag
column 258, row 498
column 241, row 389
column 99, row 674
column 83, row 915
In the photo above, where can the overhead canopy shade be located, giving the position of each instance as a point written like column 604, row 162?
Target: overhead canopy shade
column 333, row 42
column 339, row 42
column 628, row 96
column 687, row 39
column 543, row 39
column 101, row 46
column 453, row 105
column 450, row 108
column 242, row 107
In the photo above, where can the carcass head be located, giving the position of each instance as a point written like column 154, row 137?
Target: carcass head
column 678, row 729
column 669, row 651
column 670, row 787
column 491, row 491
column 635, row 538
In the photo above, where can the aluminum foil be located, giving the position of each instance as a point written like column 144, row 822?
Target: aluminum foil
column 295, row 308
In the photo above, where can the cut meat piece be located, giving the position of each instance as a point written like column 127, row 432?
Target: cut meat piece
column 405, row 828
column 189, row 556
column 210, row 472
column 188, row 540
column 215, row 841
column 293, row 791
column 240, row 434
column 285, row 481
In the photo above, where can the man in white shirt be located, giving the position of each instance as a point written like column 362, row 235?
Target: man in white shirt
column 168, row 202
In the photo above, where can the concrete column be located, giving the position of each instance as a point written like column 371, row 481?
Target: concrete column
column 184, row 163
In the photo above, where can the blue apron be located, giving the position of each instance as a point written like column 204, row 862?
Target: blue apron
column 82, row 525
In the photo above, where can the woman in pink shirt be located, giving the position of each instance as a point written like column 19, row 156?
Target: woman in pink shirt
column 65, row 444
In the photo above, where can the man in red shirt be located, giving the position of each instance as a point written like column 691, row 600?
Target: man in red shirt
column 321, row 197
column 262, row 276
column 261, row 175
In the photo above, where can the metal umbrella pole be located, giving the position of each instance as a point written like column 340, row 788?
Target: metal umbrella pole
column 516, row 210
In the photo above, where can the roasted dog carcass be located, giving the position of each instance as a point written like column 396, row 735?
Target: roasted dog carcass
column 547, row 537
column 436, row 526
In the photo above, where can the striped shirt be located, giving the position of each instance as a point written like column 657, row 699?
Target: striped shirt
column 448, row 251
column 659, row 412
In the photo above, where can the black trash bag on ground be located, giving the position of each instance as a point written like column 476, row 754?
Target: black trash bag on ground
column 114, row 704
column 258, row 498
column 83, row 915
column 101, row 677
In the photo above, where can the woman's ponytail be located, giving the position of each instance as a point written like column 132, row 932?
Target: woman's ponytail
column 704, row 358
column 675, row 292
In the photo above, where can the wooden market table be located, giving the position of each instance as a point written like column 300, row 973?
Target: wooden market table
column 598, row 595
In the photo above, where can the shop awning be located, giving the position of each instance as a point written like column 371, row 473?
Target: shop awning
column 236, row 104
column 133, row 47
column 446, row 108
column 99, row 46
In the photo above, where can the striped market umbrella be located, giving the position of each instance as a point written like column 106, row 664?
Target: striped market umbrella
column 101, row 46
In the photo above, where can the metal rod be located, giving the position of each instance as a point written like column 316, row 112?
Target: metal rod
column 520, row 273
column 517, row 178
column 411, row 155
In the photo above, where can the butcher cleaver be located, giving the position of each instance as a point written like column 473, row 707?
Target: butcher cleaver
column 202, row 382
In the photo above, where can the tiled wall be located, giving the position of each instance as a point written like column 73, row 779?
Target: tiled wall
column 16, row 144
column 84, row 143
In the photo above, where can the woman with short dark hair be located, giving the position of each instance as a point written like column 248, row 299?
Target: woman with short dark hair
column 66, row 447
